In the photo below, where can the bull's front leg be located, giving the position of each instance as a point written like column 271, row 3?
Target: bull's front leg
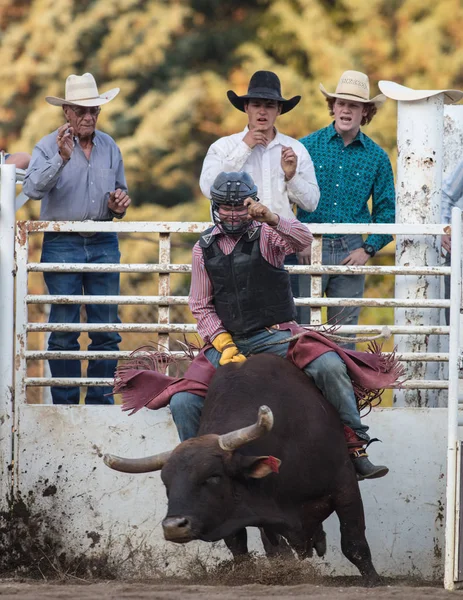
column 319, row 541
column 238, row 544
column 275, row 545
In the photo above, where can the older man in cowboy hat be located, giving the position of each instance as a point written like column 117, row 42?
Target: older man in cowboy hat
column 78, row 174
column 280, row 165
column 351, row 168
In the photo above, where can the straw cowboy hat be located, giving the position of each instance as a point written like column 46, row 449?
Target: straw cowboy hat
column 395, row 91
column 81, row 90
column 355, row 86
column 263, row 85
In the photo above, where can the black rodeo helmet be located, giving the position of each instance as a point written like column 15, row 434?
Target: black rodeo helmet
column 232, row 189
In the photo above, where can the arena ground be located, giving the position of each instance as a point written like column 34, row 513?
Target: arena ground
column 113, row 590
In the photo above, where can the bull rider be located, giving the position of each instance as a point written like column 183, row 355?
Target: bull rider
column 241, row 298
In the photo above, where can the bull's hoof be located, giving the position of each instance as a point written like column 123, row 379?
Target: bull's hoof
column 373, row 580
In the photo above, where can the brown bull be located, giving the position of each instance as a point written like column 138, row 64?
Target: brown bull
column 226, row 479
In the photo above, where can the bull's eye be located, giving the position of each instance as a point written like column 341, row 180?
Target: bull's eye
column 213, row 480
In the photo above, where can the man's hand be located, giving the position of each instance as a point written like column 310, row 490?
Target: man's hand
column 224, row 343
column 254, row 137
column 288, row 162
column 357, row 257
column 303, row 257
column 118, row 201
column 65, row 141
column 261, row 213
column 446, row 243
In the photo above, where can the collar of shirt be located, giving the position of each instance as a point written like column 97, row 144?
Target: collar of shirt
column 94, row 139
column 332, row 133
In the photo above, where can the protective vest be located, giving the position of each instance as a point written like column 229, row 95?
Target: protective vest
column 249, row 292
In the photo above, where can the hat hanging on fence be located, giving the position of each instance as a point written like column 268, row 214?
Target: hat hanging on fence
column 81, row 90
column 395, row 91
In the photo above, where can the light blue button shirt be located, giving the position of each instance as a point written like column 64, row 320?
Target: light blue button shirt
column 79, row 189
column 452, row 193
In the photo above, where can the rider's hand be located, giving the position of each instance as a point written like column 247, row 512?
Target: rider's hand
column 261, row 213
column 224, row 343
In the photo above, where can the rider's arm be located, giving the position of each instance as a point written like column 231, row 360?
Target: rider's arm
column 289, row 236
column 201, row 299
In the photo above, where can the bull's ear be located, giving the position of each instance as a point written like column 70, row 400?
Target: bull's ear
column 260, row 466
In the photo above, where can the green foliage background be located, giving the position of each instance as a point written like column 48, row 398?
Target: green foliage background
column 174, row 60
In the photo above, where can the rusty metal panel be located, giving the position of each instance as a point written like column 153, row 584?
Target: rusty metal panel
column 71, row 501
column 404, row 511
column 7, row 224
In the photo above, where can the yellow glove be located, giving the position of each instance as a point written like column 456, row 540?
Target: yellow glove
column 224, row 343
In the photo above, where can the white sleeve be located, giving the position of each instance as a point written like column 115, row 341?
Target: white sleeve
column 219, row 158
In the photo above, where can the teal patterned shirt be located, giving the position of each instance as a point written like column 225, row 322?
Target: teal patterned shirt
column 347, row 176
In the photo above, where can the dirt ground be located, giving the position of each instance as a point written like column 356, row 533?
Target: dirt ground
column 155, row 590
column 256, row 579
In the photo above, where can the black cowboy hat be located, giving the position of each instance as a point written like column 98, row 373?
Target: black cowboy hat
column 264, row 85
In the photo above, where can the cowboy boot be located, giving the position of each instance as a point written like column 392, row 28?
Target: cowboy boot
column 364, row 468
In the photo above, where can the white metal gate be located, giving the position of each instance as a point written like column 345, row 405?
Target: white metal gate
column 93, row 514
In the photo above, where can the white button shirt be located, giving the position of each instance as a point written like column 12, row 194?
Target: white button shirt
column 264, row 165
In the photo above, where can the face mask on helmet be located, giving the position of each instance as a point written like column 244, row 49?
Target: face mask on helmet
column 229, row 191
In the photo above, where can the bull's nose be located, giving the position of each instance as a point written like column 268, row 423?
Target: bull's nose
column 177, row 529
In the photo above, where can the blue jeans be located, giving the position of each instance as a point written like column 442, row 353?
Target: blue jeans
column 335, row 250
column 328, row 371
column 72, row 247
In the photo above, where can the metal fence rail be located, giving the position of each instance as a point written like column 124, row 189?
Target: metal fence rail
column 164, row 301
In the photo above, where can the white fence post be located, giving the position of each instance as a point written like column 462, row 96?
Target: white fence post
column 452, row 155
column 7, row 225
column 419, row 175
column 451, row 522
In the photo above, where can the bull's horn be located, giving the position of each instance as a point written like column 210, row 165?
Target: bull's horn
column 236, row 439
column 137, row 465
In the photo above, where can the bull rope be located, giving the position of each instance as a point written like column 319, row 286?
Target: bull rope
column 385, row 334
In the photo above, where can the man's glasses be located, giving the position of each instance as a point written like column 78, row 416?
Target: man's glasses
column 80, row 111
